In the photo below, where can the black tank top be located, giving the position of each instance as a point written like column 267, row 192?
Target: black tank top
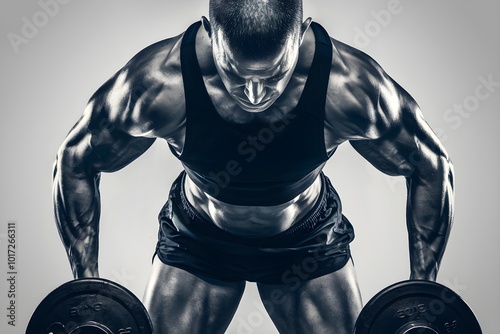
column 258, row 163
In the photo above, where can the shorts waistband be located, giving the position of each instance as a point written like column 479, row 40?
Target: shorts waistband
column 321, row 210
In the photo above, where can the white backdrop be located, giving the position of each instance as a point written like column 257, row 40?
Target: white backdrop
column 54, row 55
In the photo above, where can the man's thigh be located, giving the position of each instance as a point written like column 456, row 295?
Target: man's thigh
column 180, row 302
column 327, row 304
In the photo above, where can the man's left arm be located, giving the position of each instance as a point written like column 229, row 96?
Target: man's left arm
column 402, row 143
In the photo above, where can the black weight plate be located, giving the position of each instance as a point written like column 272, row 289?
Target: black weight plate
column 90, row 305
column 416, row 307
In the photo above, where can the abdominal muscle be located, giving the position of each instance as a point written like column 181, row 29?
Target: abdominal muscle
column 252, row 221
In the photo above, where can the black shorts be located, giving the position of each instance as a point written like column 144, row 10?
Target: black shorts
column 316, row 245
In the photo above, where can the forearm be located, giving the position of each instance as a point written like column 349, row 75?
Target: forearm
column 77, row 211
column 429, row 218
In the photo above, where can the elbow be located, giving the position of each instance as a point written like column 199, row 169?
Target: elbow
column 65, row 162
column 59, row 167
column 444, row 169
column 430, row 168
column 72, row 160
column 449, row 173
column 439, row 171
column 449, row 183
column 55, row 167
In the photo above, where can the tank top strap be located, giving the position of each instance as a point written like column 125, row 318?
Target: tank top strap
column 315, row 90
column 196, row 95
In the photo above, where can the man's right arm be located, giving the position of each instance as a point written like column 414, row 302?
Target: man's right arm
column 97, row 143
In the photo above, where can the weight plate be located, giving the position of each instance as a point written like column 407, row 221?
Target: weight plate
column 411, row 307
column 90, row 306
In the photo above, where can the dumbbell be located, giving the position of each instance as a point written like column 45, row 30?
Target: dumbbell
column 100, row 306
column 90, row 306
column 416, row 307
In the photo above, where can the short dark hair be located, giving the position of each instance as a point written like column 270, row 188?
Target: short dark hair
column 256, row 27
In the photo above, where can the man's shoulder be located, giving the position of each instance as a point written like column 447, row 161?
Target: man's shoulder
column 157, row 58
column 357, row 64
column 148, row 87
column 359, row 92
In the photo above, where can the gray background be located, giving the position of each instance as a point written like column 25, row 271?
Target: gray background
column 437, row 50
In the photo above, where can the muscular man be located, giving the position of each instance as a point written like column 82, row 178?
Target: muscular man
column 253, row 103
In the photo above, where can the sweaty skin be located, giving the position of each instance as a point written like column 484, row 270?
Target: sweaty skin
column 145, row 100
